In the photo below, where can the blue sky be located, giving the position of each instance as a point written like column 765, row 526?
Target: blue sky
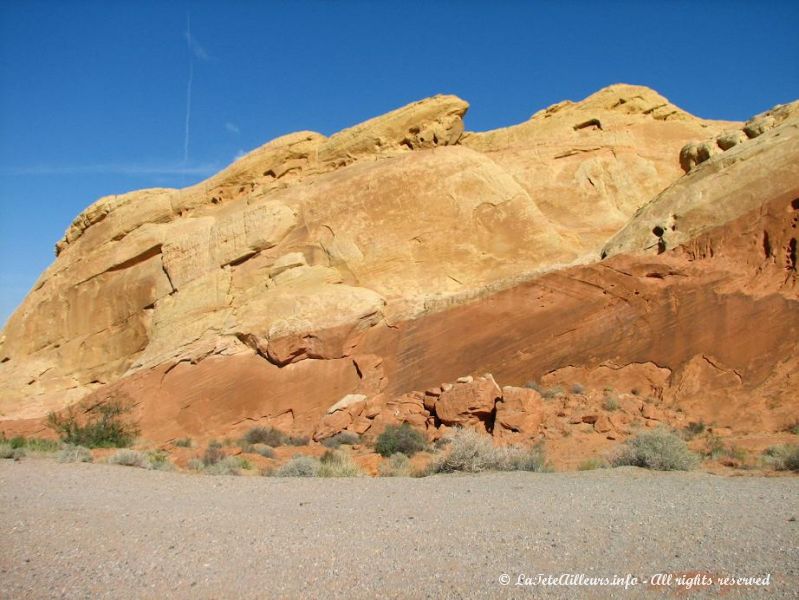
column 93, row 94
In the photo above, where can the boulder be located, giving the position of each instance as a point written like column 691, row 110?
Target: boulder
column 469, row 403
column 519, row 411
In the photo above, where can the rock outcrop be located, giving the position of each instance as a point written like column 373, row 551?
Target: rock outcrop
column 326, row 284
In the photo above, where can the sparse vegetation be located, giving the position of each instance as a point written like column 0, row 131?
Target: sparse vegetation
column 693, row 429
column 105, row 426
column 271, row 436
column 472, row 452
column 229, row 465
column 396, row 465
column 400, row 438
column 534, row 385
column 9, row 451
column 611, row 403
column 26, row 445
column 183, row 443
column 577, row 389
column 337, row 463
column 660, row 450
column 159, row 461
column 72, row 453
column 553, row 392
column 591, row 464
column 344, row 438
column 782, row 458
column 213, row 454
column 129, row 458
column 299, row 466
column 265, row 451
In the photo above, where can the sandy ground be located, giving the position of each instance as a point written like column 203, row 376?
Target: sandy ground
column 99, row 531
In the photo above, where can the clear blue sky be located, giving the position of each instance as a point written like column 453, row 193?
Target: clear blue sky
column 93, row 94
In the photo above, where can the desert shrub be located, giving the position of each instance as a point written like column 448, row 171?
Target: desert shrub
column 611, row 403
column 105, row 426
column 521, row 459
column 265, row 451
column 229, row 465
column 782, row 458
column 659, row 449
column 400, row 438
column 441, row 443
column 396, row 465
column 472, row 452
column 72, row 453
column 9, row 451
column 271, row 436
column 714, row 447
column 299, row 466
column 129, row 458
column 335, row 463
column 577, row 389
column 195, row 464
column 213, row 454
column 159, row 461
column 592, row 463
column 553, row 392
column 183, row 443
column 693, row 429
column 534, row 385
column 345, row 437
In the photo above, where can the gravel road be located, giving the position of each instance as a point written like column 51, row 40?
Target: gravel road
column 99, row 531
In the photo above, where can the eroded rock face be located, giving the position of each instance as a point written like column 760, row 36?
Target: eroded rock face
column 403, row 252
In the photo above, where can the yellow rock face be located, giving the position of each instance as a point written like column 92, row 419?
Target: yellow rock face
column 305, row 244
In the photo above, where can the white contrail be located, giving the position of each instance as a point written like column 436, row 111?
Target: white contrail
column 188, row 89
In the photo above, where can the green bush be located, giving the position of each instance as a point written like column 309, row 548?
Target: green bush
column 660, row 450
column 472, row 452
column 183, row 443
column 72, row 453
column 344, row 438
column 335, row 463
column 396, row 465
column 104, row 427
column 299, row 466
column 782, row 458
column 400, row 438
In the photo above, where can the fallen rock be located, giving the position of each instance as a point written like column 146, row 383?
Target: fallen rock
column 468, row 403
column 519, row 411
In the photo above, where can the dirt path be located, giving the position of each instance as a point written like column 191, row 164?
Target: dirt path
column 89, row 531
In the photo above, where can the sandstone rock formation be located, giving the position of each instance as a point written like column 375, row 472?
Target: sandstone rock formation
column 374, row 264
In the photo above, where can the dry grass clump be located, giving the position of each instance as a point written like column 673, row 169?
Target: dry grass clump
column 396, row 465
column 335, row 463
column 344, row 438
column 73, row 453
column 472, row 452
column 782, row 458
column 299, row 466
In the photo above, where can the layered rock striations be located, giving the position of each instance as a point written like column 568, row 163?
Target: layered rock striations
column 374, row 264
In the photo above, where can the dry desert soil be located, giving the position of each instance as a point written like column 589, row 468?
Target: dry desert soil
column 100, row 531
